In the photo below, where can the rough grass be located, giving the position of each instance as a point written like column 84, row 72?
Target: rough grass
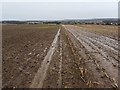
column 106, row 30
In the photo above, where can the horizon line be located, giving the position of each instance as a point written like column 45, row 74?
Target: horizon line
column 58, row 19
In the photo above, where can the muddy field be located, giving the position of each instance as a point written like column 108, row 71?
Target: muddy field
column 64, row 56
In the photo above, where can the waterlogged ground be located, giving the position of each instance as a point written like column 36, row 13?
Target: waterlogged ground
column 64, row 56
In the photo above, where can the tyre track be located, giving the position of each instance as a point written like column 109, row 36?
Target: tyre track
column 41, row 74
column 70, row 72
column 60, row 65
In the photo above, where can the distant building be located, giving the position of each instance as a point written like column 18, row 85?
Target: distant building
column 32, row 22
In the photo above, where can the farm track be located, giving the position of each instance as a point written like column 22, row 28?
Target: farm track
column 76, row 59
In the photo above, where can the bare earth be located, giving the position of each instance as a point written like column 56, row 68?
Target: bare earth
column 59, row 57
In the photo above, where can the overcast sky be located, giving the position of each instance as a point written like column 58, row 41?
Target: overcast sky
column 58, row 10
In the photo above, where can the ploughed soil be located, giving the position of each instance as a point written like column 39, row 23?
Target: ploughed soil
column 24, row 48
column 58, row 57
